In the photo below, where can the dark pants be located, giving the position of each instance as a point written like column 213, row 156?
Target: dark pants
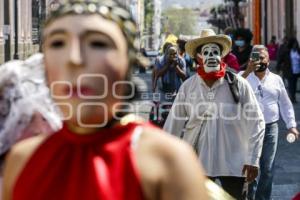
column 262, row 189
column 293, row 86
column 232, row 185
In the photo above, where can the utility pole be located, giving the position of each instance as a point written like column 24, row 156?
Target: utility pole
column 16, row 54
column 7, row 31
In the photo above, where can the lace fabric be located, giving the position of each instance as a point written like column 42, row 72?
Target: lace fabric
column 23, row 93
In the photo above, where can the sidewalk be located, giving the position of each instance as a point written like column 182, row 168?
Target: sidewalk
column 286, row 182
column 287, row 165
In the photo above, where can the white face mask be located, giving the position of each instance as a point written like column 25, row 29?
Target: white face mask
column 211, row 56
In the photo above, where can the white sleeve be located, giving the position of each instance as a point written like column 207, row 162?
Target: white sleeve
column 240, row 73
column 177, row 116
column 254, row 125
column 286, row 107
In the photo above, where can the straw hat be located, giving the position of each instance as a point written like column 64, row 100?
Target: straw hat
column 209, row 36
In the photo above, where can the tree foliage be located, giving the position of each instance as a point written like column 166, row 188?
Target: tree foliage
column 149, row 13
column 179, row 21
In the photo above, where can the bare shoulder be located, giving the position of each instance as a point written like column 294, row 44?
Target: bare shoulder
column 165, row 144
column 23, row 150
column 16, row 160
column 170, row 164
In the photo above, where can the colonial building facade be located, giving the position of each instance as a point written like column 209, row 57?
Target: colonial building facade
column 272, row 17
column 29, row 16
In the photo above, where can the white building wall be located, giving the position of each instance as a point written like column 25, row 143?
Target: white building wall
column 263, row 23
column 281, row 19
column 1, row 20
column 25, row 46
column 297, row 18
column 1, row 31
column 275, row 18
column 249, row 15
column 269, row 24
column 157, row 24
column 275, row 21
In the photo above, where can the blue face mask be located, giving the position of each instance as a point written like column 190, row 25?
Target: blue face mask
column 240, row 43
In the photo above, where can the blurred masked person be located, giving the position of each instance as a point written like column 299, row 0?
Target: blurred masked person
column 100, row 153
column 172, row 71
column 242, row 46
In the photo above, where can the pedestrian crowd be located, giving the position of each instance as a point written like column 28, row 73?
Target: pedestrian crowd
column 205, row 110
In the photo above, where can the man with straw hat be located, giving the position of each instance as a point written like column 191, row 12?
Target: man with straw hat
column 216, row 112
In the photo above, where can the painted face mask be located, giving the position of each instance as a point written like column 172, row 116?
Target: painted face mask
column 211, row 56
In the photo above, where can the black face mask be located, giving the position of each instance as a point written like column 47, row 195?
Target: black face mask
column 262, row 68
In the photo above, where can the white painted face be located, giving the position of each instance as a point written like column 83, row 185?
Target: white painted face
column 211, row 56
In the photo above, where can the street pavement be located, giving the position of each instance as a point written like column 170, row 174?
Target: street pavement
column 287, row 166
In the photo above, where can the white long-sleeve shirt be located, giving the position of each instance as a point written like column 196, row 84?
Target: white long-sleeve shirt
column 231, row 135
column 273, row 98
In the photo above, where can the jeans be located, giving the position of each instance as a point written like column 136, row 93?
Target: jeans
column 262, row 189
column 232, row 185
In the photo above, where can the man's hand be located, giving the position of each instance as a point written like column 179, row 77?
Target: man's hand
column 251, row 172
column 176, row 61
column 253, row 65
column 295, row 132
column 169, row 62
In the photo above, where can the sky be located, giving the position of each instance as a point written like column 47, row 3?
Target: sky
column 203, row 4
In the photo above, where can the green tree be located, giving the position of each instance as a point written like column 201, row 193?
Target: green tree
column 180, row 21
column 149, row 13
